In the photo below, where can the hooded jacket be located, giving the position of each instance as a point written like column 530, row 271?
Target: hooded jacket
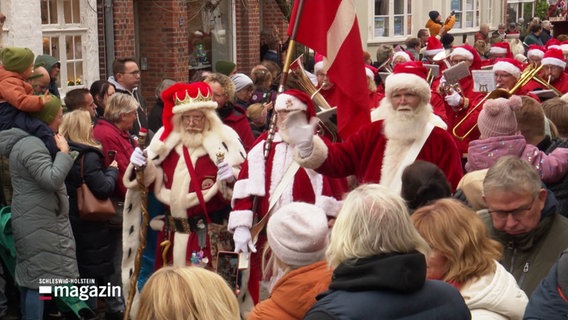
column 392, row 286
column 48, row 62
column 495, row 296
column 45, row 246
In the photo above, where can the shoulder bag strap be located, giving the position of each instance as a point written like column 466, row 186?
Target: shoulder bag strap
column 194, row 183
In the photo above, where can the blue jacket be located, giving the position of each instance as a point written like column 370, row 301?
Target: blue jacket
column 390, row 286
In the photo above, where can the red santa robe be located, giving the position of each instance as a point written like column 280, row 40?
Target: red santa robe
column 367, row 155
column 260, row 178
column 561, row 84
column 168, row 174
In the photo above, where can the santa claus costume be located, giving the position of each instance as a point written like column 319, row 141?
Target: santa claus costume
column 379, row 152
column 260, row 178
column 179, row 164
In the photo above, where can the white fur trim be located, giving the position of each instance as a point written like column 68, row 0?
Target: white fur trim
column 181, row 108
column 318, row 66
column 240, row 218
column 397, row 81
column 507, row 67
column 459, row 51
column 555, row 46
column 402, row 54
column 318, row 156
column 369, row 73
column 554, row 62
column 378, row 113
column 437, row 121
column 498, row 50
column 253, row 185
column 433, row 52
column 564, row 48
column 288, row 102
column 157, row 223
column 535, row 53
column 329, row 205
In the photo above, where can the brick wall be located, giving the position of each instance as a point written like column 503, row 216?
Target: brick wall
column 248, row 34
column 124, row 45
column 163, row 31
column 102, row 39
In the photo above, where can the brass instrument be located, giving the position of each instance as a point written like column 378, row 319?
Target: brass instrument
column 528, row 74
column 442, row 56
column 300, row 81
column 386, row 66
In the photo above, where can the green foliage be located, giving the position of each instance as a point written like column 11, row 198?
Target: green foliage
column 541, row 9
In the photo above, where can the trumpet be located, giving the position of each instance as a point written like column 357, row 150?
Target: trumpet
column 442, row 56
column 525, row 77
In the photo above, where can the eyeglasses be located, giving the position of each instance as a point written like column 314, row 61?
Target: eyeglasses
column 190, row 118
column 517, row 214
column 133, row 73
column 502, row 75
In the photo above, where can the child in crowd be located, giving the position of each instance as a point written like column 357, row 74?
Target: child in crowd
column 15, row 93
column 500, row 137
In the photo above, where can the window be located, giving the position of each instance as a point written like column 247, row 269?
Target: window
column 520, row 9
column 392, row 18
column 467, row 13
column 63, row 35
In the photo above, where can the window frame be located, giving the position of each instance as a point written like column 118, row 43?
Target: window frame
column 462, row 13
column 389, row 29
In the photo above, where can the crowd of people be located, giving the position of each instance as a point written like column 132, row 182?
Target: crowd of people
column 450, row 204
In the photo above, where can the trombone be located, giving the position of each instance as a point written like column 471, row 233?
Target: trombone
column 525, row 77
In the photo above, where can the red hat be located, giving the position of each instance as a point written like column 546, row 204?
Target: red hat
column 370, row 71
column 554, row 57
column 511, row 66
column 409, row 75
column 501, row 48
column 564, row 46
column 182, row 97
column 535, row 51
column 552, row 43
column 407, row 56
column 295, row 100
column 434, row 46
column 318, row 59
column 470, row 53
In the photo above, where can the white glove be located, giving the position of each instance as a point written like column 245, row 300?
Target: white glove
column 138, row 158
column 442, row 81
column 225, row 172
column 453, row 99
column 300, row 132
column 243, row 240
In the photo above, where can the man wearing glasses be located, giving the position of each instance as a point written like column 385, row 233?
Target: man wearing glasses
column 126, row 78
column 523, row 216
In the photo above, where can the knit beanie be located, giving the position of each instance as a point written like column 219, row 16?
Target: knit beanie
column 225, row 67
column 49, row 111
column 241, row 81
column 298, row 234
column 433, row 15
column 497, row 118
column 17, row 59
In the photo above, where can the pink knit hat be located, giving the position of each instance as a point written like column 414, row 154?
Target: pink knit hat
column 498, row 117
column 298, row 234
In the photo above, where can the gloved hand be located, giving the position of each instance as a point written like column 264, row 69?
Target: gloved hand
column 225, row 172
column 243, row 240
column 300, row 132
column 138, row 158
column 453, row 99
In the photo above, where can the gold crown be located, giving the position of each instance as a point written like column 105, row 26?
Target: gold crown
column 189, row 100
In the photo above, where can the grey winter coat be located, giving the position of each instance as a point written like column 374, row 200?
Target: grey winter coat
column 45, row 246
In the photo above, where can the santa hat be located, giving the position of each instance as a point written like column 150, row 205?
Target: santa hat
column 409, row 75
column 535, row 51
column 511, row 66
column 501, row 48
column 405, row 55
column 564, row 46
column 497, row 118
column 295, row 100
column 469, row 53
column 370, row 71
column 318, row 59
column 434, row 46
column 553, row 43
column 182, row 97
column 298, row 234
column 554, row 57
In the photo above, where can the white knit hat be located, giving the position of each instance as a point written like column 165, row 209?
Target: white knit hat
column 241, row 81
column 298, row 234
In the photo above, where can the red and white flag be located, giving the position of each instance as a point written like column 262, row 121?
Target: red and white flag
column 330, row 28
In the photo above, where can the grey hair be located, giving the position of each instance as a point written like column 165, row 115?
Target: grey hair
column 512, row 173
column 119, row 104
column 372, row 221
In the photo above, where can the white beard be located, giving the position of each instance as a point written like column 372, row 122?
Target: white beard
column 406, row 125
column 192, row 139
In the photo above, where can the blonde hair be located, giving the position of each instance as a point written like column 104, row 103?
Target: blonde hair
column 460, row 235
column 372, row 221
column 187, row 293
column 77, row 126
column 225, row 82
column 119, row 104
